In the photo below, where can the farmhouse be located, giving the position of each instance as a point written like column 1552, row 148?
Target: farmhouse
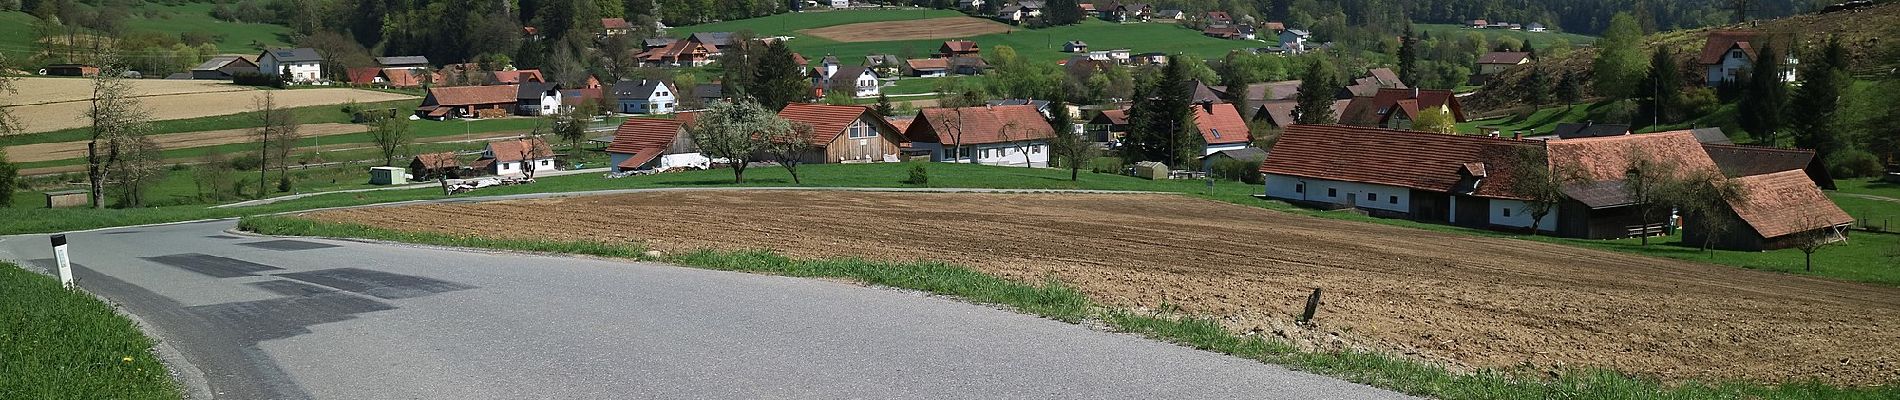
column 223, row 68
column 1294, row 40
column 643, row 97
column 846, row 134
column 1498, row 61
column 927, row 67
column 653, row 143
column 958, row 48
column 1599, row 206
column 1221, row 127
column 1369, row 85
column 538, row 99
column 1280, row 113
column 406, row 62
column 968, row 65
column 615, row 26
column 1777, row 210
column 1168, row 15
column 298, row 65
column 1108, row 126
column 517, row 157
column 516, row 76
column 1478, row 24
column 829, row 75
column 1020, row 11
column 1394, row 108
column 1219, row 18
column 468, row 102
column 991, row 135
column 1534, row 27
column 695, row 50
column 1728, row 53
column 1392, row 173
column 432, row 165
column 1124, row 12
column 1738, row 161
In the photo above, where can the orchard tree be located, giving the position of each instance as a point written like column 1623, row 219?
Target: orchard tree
column 119, row 126
column 734, row 130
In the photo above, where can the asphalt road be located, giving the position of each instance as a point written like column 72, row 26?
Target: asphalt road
column 268, row 318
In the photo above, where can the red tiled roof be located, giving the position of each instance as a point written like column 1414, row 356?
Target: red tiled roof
column 1281, row 111
column 1116, row 116
column 828, row 122
column 1785, row 203
column 512, row 150
column 1389, row 101
column 901, row 124
column 928, row 63
column 363, row 75
column 402, row 77
column 644, row 138
column 438, row 160
column 615, row 23
column 1276, row 26
column 518, row 76
column 980, row 125
column 1503, row 57
column 1221, row 125
column 1720, row 42
column 472, row 95
column 960, row 45
column 1608, row 158
column 1417, row 160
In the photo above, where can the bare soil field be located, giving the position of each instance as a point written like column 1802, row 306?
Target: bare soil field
column 921, row 29
column 1461, row 301
column 43, row 116
column 328, row 147
column 65, row 150
column 45, row 90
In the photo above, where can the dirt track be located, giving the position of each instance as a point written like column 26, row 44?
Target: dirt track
column 76, row 149
column 916, row 29
column 1460, row 300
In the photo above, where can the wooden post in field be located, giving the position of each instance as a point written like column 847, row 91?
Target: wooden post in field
column 65, row 265
column 1312, row 305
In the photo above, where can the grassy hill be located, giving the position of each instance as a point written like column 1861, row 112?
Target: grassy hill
column 1037, row 44
column 17, row 34
column 1540, row 40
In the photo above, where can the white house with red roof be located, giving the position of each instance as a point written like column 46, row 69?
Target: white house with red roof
column 516, row 157
column 991, row 135
column 1727, row 54
column 1221, row 127
column 846, row 134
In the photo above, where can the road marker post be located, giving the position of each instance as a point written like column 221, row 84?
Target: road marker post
column 65, row 265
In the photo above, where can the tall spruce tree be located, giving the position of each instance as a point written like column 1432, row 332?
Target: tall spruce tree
column 777, row 80
column 1816, row 106
column 1661, row 89
column 1408, row 57
column 1763, row 108
column 1314, row 103
column 1160, row 114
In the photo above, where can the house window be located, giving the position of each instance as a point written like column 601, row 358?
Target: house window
column 1372, row 197
column 1299, row 188
column 1507, row 212
column 1392, row 199
column 1332, row 192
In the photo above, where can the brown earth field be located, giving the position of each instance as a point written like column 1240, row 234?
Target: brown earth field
column 918, row 29
column 1461, row 301
column 43, row 117
column 478, row 137
column 66, row 150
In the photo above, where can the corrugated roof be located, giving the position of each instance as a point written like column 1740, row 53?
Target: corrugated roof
column 402, row 60
column 471, row 95
column 513, row 150
column 644, row 138
column 1784, row 203
column 218, row 62
column 1417, row 160
column 980, row 125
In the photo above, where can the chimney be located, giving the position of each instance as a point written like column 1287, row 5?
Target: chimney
column 1517, row 135
column 1208, row 106
column 1415, row 92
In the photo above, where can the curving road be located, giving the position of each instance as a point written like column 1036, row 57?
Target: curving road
column 273, row 318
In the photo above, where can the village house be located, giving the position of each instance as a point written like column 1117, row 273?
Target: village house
column 643, row 97
column 301, row 65
column 516, row 157
column 1273, row 27
column 1109, row 126
column 1280, row 113
column 653, row 143
column 515, row 76
column 1075, row 46
column 1218, row 18
column 990, row 135
column 1234, row 32
column 846, row 134
column 1020, row 11
column 1727, row 54
column 223, row 68
column 1394, row 108
column 829, row 75
column 1221, row 127
column 927, row 67
column 468, row 102
column 694, row 50
column 1153, row 58
column 615, row 26
column 1477, row 24
column 1168, row 15
column 1400, row 174
column 959, row 48
column 70, row 70
column 1125, row 12
column 1741, row 160
column 1534, row 27
column 432, row 165
column 1498, row 61
column 1369, row 85
column 538, row 99
column 1294, row 40
column 1042, row 106
column 968, row 65
column 840, row 4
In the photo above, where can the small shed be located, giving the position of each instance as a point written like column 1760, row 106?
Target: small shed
column 1151, row 170
column 387, row 176
column 67, row 198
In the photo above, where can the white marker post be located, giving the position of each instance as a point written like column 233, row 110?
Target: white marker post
column 65, row 265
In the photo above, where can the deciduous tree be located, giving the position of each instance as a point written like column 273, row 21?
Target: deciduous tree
column 119, row 124
column 1069, row 146
column 731, row 130
column 789, row 146
column 1619, row 63
column 391, row 136
column 276, row 135
column 1540, row 182
column 1648, row 182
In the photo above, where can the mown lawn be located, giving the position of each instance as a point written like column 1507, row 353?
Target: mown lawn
column 1042, row 45
column 1540, row 40
column 63, row 344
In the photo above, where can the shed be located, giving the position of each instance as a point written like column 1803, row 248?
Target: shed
column 67, row 198
column 387, row 176
column 1151, row 170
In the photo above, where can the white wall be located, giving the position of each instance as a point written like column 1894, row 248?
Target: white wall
column 867, row 85
column 1216, row 148
column 1519, row 218
column 514, row 167
column 1317, row 190
column 1003, row 154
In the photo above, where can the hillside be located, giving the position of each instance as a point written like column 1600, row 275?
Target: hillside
column 18, row 31
column 1859, row 32
column 1037, row 44
column 1540, row 40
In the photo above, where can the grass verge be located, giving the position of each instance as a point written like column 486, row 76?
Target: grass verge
column 1057, row 301
column 63, row 344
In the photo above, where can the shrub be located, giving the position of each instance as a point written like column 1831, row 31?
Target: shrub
column 1699, row 101
column 1106, row 165
column 1854, row 163
column 1237, row 170
column 246, row 162
column 918, row 176
column 283, row 183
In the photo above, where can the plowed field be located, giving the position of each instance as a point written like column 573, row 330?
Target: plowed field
column 1459, row 300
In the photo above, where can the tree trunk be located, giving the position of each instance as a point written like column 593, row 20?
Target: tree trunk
column 793, row 169
column 95, row 175
column 1074, row 171
column 1810, row 259
column 738, row 172
column 1535, row 221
